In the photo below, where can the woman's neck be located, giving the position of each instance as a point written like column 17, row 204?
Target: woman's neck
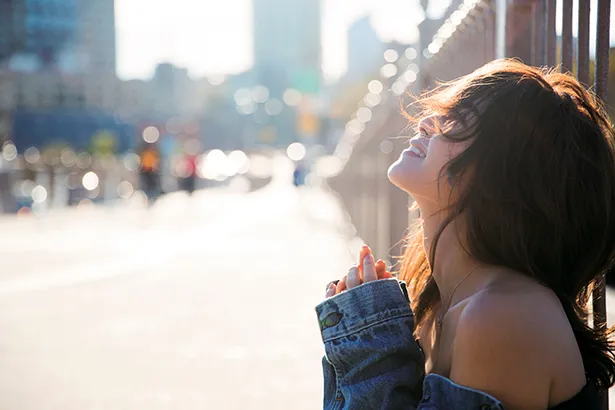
column 452, row 262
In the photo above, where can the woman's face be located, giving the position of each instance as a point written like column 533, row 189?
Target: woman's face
column 418, row 167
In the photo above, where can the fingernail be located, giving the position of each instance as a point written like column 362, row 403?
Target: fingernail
column 368, row 258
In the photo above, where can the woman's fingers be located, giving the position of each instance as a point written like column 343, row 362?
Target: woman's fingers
column 380, row 267
column 365, row 250
column 369, row 269
column 330, row 290
column 353, row 278
column 341, row 286
column 381, row 270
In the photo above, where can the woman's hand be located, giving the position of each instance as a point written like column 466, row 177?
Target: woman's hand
column 368, row 270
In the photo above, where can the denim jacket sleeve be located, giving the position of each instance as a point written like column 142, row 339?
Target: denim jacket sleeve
column 372, row 360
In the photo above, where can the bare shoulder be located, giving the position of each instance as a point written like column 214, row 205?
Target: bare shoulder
column 509, row 343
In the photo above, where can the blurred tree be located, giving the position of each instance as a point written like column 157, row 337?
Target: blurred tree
column 104, row 142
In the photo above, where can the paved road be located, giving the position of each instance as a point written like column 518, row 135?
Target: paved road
column 197, row 303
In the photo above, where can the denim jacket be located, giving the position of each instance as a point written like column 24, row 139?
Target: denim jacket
column 372, row 360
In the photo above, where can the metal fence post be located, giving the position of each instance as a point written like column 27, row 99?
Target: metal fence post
column 601, row 79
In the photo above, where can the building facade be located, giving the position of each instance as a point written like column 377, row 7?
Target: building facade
column 287, row 45
column 365, row 50
column 70, row 36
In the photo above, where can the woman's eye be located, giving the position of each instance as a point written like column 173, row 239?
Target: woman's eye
column 423, row 132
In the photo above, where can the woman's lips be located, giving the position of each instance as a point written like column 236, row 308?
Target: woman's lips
column 414, row 151
column 418, row 146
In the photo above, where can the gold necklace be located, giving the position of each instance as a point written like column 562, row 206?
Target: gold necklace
column 445, row 310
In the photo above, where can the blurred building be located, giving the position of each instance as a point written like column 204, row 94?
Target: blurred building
column 36, row 35
column 287, row 45
column 173, row 91
column 96, row 35
column 287, row 56
column 69, row 36
column 365, row 50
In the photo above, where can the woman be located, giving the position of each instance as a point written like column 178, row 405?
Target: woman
column 513, row 170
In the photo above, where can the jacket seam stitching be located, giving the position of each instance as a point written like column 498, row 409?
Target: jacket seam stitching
column 338, row 391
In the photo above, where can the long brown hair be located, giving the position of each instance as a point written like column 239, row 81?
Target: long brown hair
column 538, row 193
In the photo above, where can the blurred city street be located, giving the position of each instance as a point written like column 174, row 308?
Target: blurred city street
column 202, row 302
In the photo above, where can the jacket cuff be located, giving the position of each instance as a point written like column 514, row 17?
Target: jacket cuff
column 361, row 307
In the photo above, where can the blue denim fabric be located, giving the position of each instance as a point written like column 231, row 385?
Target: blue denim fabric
column 372, row 360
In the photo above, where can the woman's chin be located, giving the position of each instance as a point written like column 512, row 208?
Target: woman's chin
column 400, row 174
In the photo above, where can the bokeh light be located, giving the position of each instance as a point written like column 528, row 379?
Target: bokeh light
column 132, row 162
column 410, row 53
column 215, row 165
column 239, row 161
column 151, row 134
column 372, row 100
column 39, row 194
column 68, row 157
column 364, row 114
column 247, row 109
column 292, row 97
column 296, row 151
column 260, row 94
column 9, row 151
column 386, row 147
column 125, row 190
column 328, row 166
column 32, row 155
column 375, row 87
column 243, row 96
column 355, row 127
column 391, row 56
column 398, row 88
column 72, row 180
column 90, row 181
column 51, row 156
column 410, row 76
column 388, row 70
column 26, row 187
column 84, row 160
column 260, row 166
column 274, row 107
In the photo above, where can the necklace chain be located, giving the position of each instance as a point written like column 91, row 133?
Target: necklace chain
column 450, row 297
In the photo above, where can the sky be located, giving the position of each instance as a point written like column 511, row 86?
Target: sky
column 210, row 37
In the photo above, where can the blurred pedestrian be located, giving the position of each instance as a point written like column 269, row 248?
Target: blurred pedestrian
column 188, row 178
column 150, row 171
column 513, row 169
column 299, row 174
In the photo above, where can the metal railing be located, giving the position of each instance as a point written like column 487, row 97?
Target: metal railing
column 474, row 33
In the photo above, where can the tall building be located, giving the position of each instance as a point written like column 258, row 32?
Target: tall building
column 70, row 36
column 96, row 36
column 35, row 33
column 287, row 45
column 365, row 50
